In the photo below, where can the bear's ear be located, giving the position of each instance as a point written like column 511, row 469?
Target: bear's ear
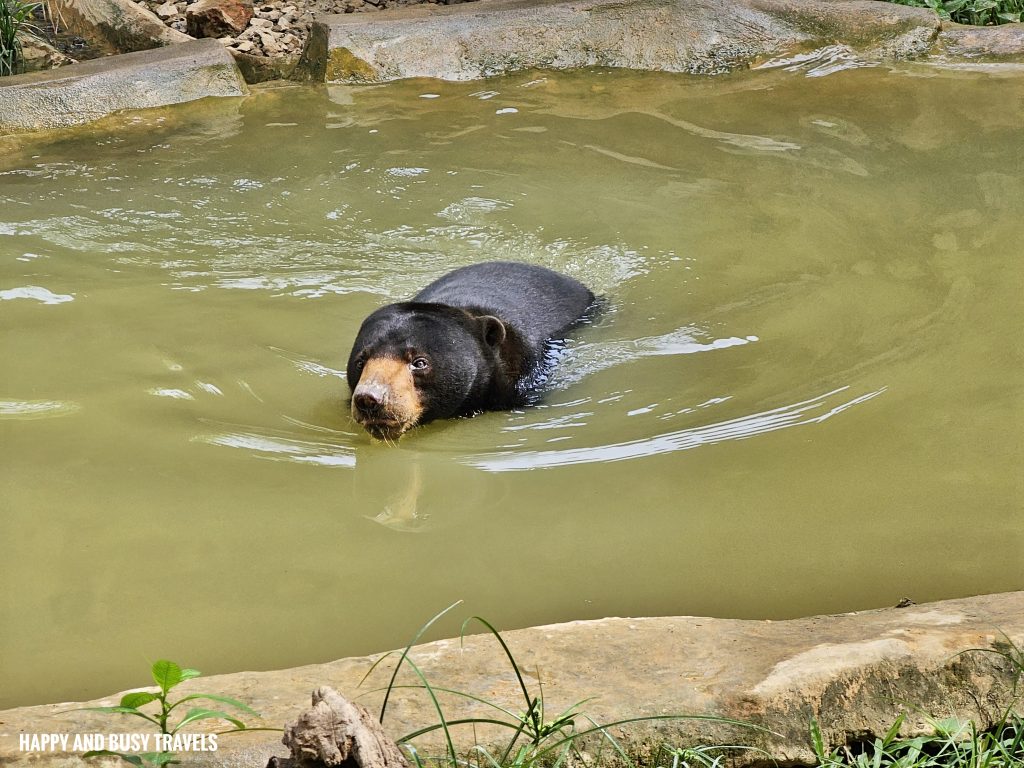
column 493, row 330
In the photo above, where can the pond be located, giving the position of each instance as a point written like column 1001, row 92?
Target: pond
column 804, row 394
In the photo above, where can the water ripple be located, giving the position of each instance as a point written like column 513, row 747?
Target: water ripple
column 36, row 409
column 820, row 62
column 812, row 411
column 275, row 446
column 589, row 358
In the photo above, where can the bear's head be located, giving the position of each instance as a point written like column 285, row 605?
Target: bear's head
column 413, row 362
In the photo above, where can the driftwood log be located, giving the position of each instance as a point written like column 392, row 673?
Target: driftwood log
column 337, row 732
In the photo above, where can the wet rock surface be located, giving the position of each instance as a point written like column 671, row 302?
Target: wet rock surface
column 1002, row 43
column 81, row 93
column 854, row 673
column 699, row 37
column 413, row 38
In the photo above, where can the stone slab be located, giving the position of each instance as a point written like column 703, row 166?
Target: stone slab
column 853, row 672
column 490, row 37
column 1002, row 43
column 81, row 93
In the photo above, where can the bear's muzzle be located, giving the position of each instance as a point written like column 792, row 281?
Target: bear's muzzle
column 385, row 402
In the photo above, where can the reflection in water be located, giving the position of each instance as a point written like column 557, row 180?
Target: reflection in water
column 797, row 414
column 395, row 479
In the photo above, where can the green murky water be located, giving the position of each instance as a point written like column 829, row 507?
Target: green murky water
column 806, row 395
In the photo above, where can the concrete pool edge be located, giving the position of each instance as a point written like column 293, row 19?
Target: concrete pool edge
column 853, row 672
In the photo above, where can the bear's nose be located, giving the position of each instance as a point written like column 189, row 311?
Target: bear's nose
column 367, row 403
column 369, row 399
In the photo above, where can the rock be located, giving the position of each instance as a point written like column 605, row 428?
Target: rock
column 245, row 46
column 214, row 18
column 1002, row 43
column 268, row 41
column 120, row 25
column 336, row 731
column 261, row 23
column 259, row 69
column 39, row 54
column 473, row 40
column 81, row 93
column 166, row 11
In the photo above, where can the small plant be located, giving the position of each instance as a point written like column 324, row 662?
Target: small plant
column 14, row 16
column 537, row 738
column 974, row 12
column 167, row 675
column 702, row 756
column 952, row 744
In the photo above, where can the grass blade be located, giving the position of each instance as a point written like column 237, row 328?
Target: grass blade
column 405, row 657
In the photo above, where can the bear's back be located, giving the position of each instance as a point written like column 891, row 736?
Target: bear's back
column 539, row 303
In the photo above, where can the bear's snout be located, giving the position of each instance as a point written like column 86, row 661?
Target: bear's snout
column 369, row 399
column 385, row 401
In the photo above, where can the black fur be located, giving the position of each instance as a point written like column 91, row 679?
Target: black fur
column 484, row 330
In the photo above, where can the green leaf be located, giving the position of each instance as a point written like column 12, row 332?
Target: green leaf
column 138, row 699
column 949, row 726
column 222, row 699
column 166, row 674
column 817, row 741
column 207, row 714
column 160, row 758
column 189, row 673
column 891, row 734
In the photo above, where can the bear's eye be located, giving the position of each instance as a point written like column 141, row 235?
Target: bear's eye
column 360, row 363
column 419, row 364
